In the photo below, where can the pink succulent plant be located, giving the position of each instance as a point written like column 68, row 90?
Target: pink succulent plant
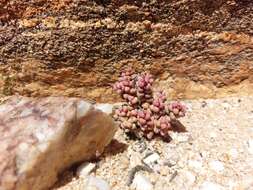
column 145, row 113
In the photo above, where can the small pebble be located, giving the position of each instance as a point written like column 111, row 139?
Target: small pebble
column 94, row 182
column 151, row 158
column 173, row 176
column 168, row 163
column 135, row 170
column 141, row 182
column 203, row 104
column 85, row 169
column 139, row 146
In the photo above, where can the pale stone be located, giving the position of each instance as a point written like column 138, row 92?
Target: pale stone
column 141, row 182
column 151, row 158
column 96, row 183
column 85, row 169
column 40, row 137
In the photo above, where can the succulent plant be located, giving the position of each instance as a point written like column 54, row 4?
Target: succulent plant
column 145, row 113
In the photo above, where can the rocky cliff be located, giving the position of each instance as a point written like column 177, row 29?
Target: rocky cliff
column 196, row 48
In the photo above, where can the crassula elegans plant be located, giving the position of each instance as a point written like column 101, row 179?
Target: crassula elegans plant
column 145, row 113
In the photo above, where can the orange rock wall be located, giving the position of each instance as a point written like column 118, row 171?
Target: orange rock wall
column 196, row 49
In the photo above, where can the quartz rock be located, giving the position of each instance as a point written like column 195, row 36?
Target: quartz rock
column 40, row 137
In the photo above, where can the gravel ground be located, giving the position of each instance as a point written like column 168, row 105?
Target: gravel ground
column 215, row 153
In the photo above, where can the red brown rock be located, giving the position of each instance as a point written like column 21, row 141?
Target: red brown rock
column 43, row 136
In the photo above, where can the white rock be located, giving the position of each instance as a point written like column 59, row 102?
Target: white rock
column 151, row 158
column 216, row 166
column 106, row 108
column 96, row 183
column 210, row 186
column 60, row 131
column 250, row 146
column 141, row 182
column 85, row 169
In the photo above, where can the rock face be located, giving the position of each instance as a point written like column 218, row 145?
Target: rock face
column 200, row 48
column 41, row 137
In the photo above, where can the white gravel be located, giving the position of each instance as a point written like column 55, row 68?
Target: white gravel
column 215, row 153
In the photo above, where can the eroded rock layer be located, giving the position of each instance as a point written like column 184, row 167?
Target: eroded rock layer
column 197, row 48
